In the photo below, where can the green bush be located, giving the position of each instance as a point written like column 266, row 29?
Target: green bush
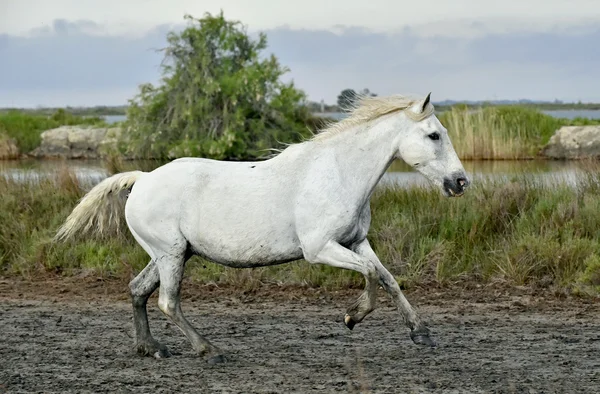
column 219, row 97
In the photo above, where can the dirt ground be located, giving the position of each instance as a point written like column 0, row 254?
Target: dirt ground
column 76, row 336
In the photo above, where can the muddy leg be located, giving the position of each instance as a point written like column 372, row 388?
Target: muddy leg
column 142, row 286
column 171, row 273
column 338, row 256
column 419, row 333
column 364, row 305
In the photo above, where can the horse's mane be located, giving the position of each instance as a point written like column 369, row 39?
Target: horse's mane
column 368, row 108
column 365, row 109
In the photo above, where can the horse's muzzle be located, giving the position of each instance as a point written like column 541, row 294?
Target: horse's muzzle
column 456, row 185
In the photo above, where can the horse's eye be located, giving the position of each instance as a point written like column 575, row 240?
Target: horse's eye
column 434, row 136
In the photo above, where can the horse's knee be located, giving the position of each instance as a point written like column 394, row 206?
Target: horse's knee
column 140, row 292
column 137, row 297
column 144, row 284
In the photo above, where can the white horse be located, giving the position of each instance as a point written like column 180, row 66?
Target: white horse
column 310, row 201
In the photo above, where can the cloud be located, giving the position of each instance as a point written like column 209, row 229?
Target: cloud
column 431, row 17
column 80, row 63
column 71, row 56
column 518, row 65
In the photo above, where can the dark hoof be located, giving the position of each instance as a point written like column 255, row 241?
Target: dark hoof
column 349, row 322
column 162, row 353
column 421, row 337
column 218, row 359
column 153, row 349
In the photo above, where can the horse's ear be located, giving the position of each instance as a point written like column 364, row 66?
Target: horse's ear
column 419, row 106
column 426, row 102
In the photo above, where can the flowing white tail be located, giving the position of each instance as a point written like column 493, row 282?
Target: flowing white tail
column 100, row 209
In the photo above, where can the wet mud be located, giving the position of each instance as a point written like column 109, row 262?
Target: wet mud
column 76, row 339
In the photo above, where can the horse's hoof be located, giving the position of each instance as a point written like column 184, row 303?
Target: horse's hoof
column 218, row 359
column 424, row 340
column 163, row 352
column 421, row 337
column 349, row 322
column 153, row 349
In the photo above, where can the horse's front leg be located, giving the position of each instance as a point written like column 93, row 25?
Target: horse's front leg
column 365, row 303
column 367, row 263
column 419, row 333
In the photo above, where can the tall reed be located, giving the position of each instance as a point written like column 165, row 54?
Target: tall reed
column 509, row 132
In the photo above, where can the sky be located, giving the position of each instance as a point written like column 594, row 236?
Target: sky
column 88, row 52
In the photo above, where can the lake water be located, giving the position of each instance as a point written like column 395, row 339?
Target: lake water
column 574, row 113
column 110, row 119
column 568, row 114
column 90, row 172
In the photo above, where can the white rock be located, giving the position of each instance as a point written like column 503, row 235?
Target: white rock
column 74, row 142
column 574, row 142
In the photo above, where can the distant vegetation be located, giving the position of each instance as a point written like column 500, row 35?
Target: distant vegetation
column 515, row 232
column 494, row 132
column 313, row 106
column 100, row 110
column 542, row 106
column 26, row 128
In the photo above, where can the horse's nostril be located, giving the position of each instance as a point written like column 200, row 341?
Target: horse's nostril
column 461, row 181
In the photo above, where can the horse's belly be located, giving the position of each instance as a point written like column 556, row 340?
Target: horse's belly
column 245, row 249
column 240, row 235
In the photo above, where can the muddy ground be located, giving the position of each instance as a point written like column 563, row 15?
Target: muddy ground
column 76, row 336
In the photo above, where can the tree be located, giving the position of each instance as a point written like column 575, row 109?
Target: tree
column 218, row 97
column 346, row 98
column 367, row 92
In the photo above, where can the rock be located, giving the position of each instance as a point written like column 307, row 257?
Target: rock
column 8, row 148
column 574, row 142
column 77, row 142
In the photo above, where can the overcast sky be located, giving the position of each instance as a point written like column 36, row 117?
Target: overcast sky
column 87, row 52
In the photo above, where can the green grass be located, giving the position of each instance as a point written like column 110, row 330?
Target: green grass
column 517, row 232
column 26, row 128
column 502, row 132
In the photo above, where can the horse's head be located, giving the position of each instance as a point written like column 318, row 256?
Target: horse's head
column 426, row 146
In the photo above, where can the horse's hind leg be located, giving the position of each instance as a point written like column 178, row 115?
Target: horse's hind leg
column 171, row 270
column 142, row 286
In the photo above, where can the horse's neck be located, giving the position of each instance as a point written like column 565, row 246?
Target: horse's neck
column 363, row 156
